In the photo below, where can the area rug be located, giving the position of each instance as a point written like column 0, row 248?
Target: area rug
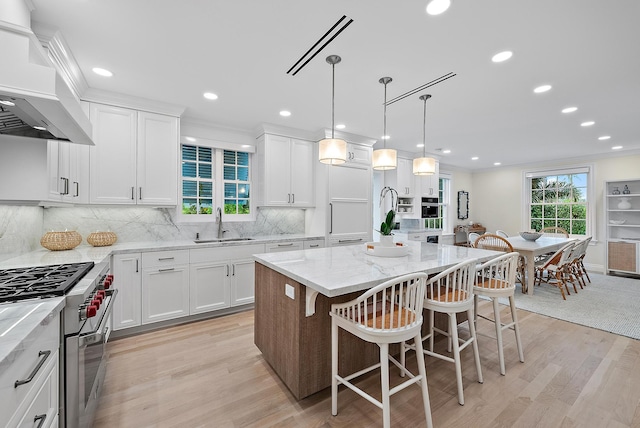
column 609, row 303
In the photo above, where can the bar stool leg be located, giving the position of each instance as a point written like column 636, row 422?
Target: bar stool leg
column 516, row 327
column 384, row 377
column 474, row 344
column 423, row 384
column 498, row 325
column 453, row 334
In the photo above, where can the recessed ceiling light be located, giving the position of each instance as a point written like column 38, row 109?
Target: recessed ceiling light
column 502, row 56
column 447, row 151
column 588, row 123
column 7, row 103
column 541, row 89
column 497, row 163
column 40, row 128
column 285, row 113
column 340, row 126
column 436, row 7
column 190, row 139
column 604, row 137
column 419, row 145
column 569, row 109
column 210, row 96
column 385, row 137
column 475, row 158
column 102, row 72
column 616, row 147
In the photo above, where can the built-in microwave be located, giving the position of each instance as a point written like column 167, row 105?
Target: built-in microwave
column 430, row 208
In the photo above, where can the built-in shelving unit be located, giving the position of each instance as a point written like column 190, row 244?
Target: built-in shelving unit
column 622, row 202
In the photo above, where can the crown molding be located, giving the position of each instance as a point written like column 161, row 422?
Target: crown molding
column 127, row 101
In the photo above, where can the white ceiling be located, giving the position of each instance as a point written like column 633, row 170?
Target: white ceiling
column 173, row 51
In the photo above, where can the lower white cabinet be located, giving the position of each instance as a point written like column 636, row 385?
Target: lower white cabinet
column 34, row 402
column 165, row 285
column 313, row 243
column 284, row 246
column 222, row 276
column 127, row 278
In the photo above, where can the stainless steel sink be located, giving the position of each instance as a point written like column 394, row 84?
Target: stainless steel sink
column 205, row 241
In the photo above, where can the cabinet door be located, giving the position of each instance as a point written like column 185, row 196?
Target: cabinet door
column 314, row 243
column 429, row 184
column 113, row 158
column 165, row 293
column 283, row 246
column 157, row 159
column 349, row 182
column 405, row 177
column 209, row 287
column 79, row 173
column 358, row 154
column 302, row 173
column 242, row 282
column 277, row 170
column 58, row 169
column 127, row 276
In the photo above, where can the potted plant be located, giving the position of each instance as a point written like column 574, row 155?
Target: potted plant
column 386, row 229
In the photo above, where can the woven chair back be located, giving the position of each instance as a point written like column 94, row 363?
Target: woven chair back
column 555, row 231
column 489, row 241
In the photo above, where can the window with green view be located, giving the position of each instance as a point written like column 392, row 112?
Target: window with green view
column 236, row 182
column 197, row 180
column 560, row 200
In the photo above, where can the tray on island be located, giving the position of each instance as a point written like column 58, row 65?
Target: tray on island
column 377, row 249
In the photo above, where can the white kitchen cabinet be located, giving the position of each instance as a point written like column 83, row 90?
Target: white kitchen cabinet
column 313, row 243
column 165, row 285
column 429, row 184
column 406, row 184
column 350, row 215
column 224, row 276
column 135, row 157
column 278, row 247
column 358, row 154
column 36, row 401
column 68, row 170
column 127, row 278
column 285, row 172
column 623, row 226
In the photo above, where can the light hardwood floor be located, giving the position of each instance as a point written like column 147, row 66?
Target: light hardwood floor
column 210, row 374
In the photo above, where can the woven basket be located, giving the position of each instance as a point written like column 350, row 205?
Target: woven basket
column 102, row 239
column 58, row 241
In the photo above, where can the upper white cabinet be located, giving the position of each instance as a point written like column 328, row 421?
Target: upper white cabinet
column 68, row 169
column 429, row 183
column 358, row 154
column 401, row 178
column 135, row 157
column 285, row 172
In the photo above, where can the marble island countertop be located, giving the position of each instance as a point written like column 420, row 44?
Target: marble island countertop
column 334, row 271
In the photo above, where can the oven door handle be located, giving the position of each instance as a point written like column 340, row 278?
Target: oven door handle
column 99, row 333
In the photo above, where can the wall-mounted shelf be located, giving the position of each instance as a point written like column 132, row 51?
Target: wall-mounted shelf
column 623, row 240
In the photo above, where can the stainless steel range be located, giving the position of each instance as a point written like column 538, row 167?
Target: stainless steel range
column 85, row 327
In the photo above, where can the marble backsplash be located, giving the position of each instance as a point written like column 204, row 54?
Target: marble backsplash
column 22, row 227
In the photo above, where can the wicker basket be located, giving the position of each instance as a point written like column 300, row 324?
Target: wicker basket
column 58, row 241
column 102, row 239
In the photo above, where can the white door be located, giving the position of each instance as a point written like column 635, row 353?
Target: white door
column 157, row 159
column 165, row 293
column 127, row 276
column 242, row 282
column 209, row 287
column 113, row 158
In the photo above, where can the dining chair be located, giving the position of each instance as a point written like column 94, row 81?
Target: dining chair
column 496, row 279
column 390, row 312
column 555, row 231
column 557, row 270
column 489, row 241
column 450, row 292
column 576, row 261
column 580, row 263
column 472, row 238
column 502, row 233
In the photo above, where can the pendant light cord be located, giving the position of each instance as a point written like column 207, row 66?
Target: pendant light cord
column 424, row 131
column 384, row 130
column 333, row 98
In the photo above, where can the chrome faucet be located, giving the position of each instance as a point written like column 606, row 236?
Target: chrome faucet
column 219, row 221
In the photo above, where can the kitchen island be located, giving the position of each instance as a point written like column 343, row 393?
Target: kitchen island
column 294, row 294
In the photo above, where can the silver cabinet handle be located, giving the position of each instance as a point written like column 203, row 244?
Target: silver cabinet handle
column 165, row 258
column 166, row 269
column 285, row 245
column 44, row 354
column 65, row 185
column 330, row 217
column 140, row 193
column 293, row 198
column 227, row 270
column 233, row 270
column 349, row 240
column 40, row 418
column 133, row 195
column 288, row 198
column 137, row 265
column 77, row 186
column 314, row 245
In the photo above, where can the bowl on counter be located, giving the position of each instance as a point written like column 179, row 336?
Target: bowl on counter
column 530, row 236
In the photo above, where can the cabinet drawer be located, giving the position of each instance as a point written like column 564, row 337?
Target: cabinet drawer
column 315, row 243
column 165, row 258
column 283, row 246
column 202, row 255
column 41, row 353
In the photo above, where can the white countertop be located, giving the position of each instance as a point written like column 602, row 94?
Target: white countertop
column 334, row 271
column 21, row 323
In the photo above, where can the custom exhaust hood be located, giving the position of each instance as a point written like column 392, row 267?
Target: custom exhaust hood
column 35, row 101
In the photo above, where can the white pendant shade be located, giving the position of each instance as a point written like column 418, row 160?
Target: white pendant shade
column 424, row 166
column 384, row 159
column 332, row 151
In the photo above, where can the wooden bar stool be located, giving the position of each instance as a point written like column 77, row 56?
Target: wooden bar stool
column 497, row 278
column 388, row 313
column 451, row 292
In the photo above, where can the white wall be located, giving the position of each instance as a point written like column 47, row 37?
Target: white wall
column 496, row 198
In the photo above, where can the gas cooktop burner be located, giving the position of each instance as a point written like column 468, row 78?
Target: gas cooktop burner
column 40, row 281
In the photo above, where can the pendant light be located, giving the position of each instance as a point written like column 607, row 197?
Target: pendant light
column 333, row 151
column 424, row 165
column 385, row 159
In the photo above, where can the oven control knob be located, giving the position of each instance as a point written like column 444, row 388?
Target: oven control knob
column 98, row 297
column 110, row 277
column 90, row 311
column 106, row 284
column 96, row 303
column 101, row 295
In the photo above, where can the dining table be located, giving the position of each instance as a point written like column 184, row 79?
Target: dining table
column 531, row 249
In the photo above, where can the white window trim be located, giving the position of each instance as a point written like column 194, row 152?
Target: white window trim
column 527, row 175
column 218, row 188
